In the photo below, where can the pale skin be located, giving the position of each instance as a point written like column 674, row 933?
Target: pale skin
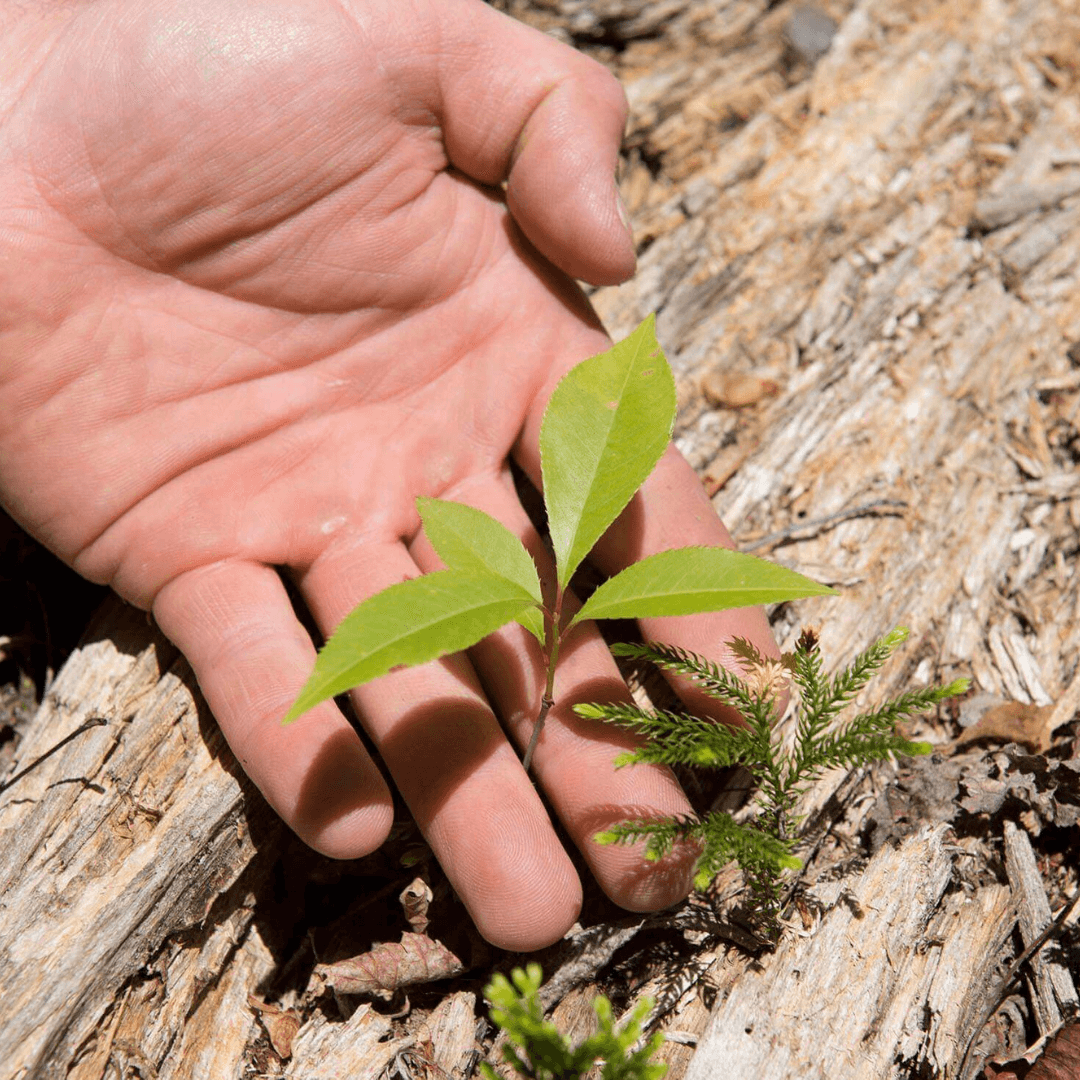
column 260, row 287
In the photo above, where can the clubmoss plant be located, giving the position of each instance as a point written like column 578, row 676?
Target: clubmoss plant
column 535, row 1048
column 604, row 429
column 763, row 846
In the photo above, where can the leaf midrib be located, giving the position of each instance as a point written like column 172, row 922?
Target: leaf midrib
column 340, row 672
column 614, row 413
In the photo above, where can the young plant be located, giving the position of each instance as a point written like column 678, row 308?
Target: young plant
column 764, row 846
column 535, row 1049
column 604, row 429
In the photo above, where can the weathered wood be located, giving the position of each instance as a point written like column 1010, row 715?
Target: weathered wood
column 838, row 246
column 1054, row 989
column 845, row 266
column 890, row 237
column 125, row 837
column 883, row 987
column 859, row 244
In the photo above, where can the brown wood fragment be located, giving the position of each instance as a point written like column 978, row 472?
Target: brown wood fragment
column 281, row 1025
column 1012, row 721
column 391, row 966
column 1032, row 726
column 737, row 389
column 450, row 1031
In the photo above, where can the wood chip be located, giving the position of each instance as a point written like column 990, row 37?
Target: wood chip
column 1014, row 721
column 737, row 389
column 451, row 1030
column 1054, row 987
column 392, row 966
column 282, row 1025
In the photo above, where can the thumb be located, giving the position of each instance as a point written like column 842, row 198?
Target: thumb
column 520, row 107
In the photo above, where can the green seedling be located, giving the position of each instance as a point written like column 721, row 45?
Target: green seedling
column 535, row 1048
column 763, row 846
column 605, row 427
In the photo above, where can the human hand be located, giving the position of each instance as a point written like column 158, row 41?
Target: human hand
column 259, row 289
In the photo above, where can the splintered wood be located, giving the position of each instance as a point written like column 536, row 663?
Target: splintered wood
column 846, row 998
column 913, row 297
column 864, row 251
column 124, row 838
column 1055, row 992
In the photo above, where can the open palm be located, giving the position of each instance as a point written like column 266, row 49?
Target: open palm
column 262, row 286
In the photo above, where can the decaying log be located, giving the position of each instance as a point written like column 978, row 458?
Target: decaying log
column 916, row 373
column 885, row 241
column 1055, row 993
column 887, row 985
column 124, row 838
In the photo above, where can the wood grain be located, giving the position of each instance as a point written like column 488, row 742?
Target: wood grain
column 890, row 237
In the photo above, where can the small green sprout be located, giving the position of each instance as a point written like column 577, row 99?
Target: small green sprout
column 535, row 1049
column 608, row 422
column 764, row 846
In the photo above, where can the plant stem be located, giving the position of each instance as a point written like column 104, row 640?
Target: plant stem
column 551, row 656
column 545, row 704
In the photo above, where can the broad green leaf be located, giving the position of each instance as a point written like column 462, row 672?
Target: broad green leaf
column 605, row 427
column 693, row 579
column 411, row 623
column 532, row 618
column 468, row 539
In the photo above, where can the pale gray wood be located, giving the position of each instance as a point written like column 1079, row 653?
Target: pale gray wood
column 451, row 1029
column 357, row 1047
column 1055, row 992
column 893, row 237
column 881, row 987
column 124, row 837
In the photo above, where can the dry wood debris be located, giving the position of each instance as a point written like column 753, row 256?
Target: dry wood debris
column 885, row 234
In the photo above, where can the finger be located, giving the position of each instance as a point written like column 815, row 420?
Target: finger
column 573, row 759
column 234, row 623
column 455, row 769
column 521, row 107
